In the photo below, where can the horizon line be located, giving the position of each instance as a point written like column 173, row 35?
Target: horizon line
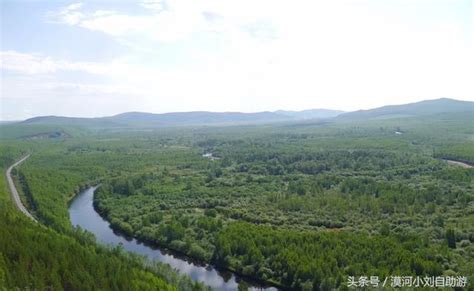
column 243, row 112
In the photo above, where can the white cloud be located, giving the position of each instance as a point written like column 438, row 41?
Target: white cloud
column 264, row 55
column 39, row 64
column 69, row 14
column 74, row 6
column 156, row 5
column 167, row 21
column 26, row 63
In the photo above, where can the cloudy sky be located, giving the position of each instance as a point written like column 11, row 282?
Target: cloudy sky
column 100, row 58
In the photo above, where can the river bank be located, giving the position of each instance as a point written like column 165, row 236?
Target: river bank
column 83, row 214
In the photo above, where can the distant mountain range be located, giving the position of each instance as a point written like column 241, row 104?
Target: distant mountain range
column 141, row 119
column 310, row 113
column 186, row 118
column 427, row 107
column 194, row 117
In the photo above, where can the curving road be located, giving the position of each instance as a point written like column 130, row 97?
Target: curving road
column 14, row 192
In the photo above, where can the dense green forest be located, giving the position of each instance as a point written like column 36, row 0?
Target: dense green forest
column 34, row 256
column 300, row 205
column 310, row 193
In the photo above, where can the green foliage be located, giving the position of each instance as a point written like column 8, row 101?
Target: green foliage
column 374, row 189
column 298, row 205
column 463, row 152
column 293, row 257
column 35, row 256
column 451, row 238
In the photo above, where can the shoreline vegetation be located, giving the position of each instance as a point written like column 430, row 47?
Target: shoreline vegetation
column 259, row 283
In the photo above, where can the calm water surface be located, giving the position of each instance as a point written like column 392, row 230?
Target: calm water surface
column 83, row 214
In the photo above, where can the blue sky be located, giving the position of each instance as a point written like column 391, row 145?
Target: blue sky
column 97, row 58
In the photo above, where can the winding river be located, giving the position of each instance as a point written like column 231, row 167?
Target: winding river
column 83, row 214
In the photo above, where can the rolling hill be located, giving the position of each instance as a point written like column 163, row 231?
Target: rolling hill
column 193, row 118
column 422, row 108
column 134, row 119
column 311, row 113
column 199, row 118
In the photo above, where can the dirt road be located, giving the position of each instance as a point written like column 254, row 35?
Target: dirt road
column 14, row 192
